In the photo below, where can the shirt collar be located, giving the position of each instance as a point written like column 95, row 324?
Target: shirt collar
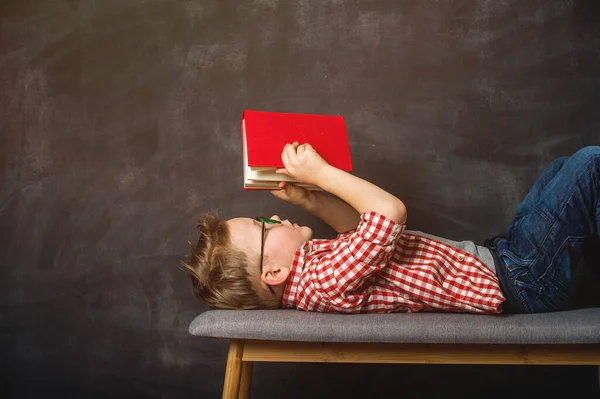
column 293, row 281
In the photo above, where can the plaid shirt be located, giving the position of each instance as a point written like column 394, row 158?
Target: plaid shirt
column 377, row 268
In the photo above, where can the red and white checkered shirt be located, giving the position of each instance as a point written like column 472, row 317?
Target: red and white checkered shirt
column 377, row 269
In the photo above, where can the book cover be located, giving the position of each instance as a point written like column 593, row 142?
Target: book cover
column 264, row 134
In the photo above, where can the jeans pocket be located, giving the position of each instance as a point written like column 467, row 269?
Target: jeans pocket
column 563, row 261
column 537, row 298
column 528, row 236
column 548, row 286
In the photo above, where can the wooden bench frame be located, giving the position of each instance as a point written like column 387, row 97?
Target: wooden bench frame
column 243, row 353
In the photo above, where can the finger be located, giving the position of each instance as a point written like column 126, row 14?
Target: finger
column 283, row 171
column 301, row 149
column 291, row 153
column 299, row 191
column 295, row 146
column 286, row 149
column 280, row 194
column 290, row 189
column 284, row 157
column 291, row 192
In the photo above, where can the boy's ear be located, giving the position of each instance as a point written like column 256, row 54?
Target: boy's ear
column 275, row 276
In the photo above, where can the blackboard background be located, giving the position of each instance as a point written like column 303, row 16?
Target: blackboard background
column 119, row 123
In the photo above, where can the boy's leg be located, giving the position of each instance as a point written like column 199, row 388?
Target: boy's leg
column 546, row 238
column 591, row 246
column 532, row 198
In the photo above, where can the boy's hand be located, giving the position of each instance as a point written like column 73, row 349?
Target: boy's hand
column 302, row 163
column 293, row 194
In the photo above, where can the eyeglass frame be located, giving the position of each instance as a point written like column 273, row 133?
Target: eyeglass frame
column 264, row 220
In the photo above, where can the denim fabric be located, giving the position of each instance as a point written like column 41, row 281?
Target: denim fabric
column 556, row 224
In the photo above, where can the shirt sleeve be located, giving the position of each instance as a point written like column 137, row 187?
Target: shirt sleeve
column 355, row 257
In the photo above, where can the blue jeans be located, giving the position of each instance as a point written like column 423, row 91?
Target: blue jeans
column 556, row 224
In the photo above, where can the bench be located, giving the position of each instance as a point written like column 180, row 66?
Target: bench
column 561, row 338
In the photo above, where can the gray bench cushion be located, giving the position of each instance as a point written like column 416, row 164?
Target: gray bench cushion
column 580, row 326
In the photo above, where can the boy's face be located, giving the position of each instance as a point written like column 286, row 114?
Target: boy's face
column 281, row 240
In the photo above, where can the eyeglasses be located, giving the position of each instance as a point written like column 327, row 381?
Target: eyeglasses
column 262, row 242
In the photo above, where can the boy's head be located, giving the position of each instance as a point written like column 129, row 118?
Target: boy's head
column 224, row 265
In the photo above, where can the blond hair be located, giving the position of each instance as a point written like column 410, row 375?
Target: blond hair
column 222, row 275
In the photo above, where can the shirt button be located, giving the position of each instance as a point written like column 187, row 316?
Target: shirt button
column 396, row 228
column 417, row 238
column 306, row 248
column 388, row 249
column 461, row 258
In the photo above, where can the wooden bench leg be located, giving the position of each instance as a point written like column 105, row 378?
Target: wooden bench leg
column 233, row 372
column 245, row 380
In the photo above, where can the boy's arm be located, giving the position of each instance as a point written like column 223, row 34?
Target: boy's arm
column 304, row 164
column 360, row 194
column 333, row 211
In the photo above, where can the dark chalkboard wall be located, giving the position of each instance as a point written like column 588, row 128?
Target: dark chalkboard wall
column 119, row 123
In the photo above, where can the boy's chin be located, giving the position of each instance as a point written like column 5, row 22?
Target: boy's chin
column 306, row 232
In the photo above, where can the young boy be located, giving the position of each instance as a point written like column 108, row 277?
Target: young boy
column 375, row 265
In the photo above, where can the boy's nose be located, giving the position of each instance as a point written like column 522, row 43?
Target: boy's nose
column 286, row 221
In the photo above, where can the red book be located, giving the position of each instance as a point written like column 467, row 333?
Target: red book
column 264, row 134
